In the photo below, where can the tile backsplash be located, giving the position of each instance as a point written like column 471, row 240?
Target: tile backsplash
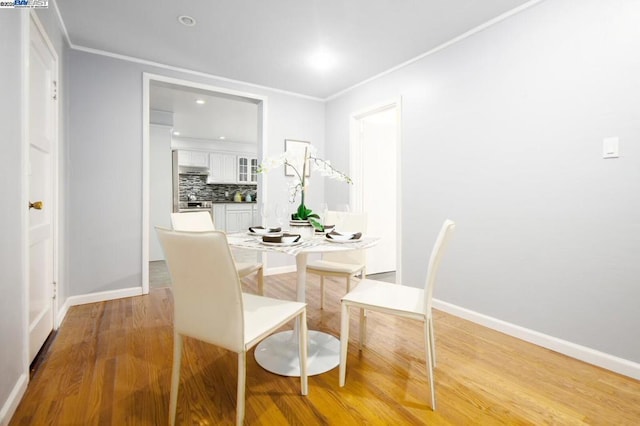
column 198, row 186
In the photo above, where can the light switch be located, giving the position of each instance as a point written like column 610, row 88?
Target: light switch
column 610, row 148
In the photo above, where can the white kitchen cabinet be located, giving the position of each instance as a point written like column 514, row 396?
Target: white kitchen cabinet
column 220, row 217
column 239, row 217
column 193, row 158
column 247, row 169
column 222, row 168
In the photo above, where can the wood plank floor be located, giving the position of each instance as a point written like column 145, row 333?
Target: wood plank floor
column 110, row 364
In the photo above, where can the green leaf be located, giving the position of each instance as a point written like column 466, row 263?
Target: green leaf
column 317, row 225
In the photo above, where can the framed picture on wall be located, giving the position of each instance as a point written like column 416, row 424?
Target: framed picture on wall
column 295, row 149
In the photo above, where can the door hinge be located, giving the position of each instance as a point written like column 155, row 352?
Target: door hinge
column 55, row 90
column 55, row 290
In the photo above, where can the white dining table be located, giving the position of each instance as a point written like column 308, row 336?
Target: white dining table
column 278, row 353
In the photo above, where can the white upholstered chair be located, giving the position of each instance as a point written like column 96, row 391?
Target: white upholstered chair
column 209, row 305
column 343, row 264
column 201, row 221
column 394, row 299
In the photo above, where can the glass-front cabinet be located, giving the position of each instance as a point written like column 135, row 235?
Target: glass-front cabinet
column 243, row 169
column 247, row 169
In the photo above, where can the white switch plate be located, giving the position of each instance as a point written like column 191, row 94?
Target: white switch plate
column 610, row 148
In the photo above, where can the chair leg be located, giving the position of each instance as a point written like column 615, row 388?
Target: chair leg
column 242, row 378
column 260, row 275
column 363, row 328
column 344, row 342
column 429, row 356
column 433, row 342
column 321, row 291
column 302, row 352
column 175, row 377
column 348, row 283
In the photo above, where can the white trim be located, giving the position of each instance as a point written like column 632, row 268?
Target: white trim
column 280, row 270
column 440, row 47
column 261, row 102
column 102, row 296
column 11, row 404
column 24, row 177
column 582, row 353
column 355, row 167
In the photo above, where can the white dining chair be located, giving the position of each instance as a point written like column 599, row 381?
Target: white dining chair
column 209, row 305
column 202, row 221
column 400, row 300
column 343, row 264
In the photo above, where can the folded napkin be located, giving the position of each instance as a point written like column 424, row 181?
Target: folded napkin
column 290, row 238
column 262, row 229
column 355, row 236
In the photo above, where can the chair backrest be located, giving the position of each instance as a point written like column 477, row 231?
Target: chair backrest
column 205, row 285
column 434, row 262
column 192, row 221
column 347, row 222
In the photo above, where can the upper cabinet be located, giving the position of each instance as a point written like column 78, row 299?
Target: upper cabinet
column 193, row 158
column 247, row 169
column 222, row 168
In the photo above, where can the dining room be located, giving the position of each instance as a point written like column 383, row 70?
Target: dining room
column 520, row 126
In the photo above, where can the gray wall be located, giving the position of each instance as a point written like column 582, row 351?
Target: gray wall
column 502, row 132
column 105, row 164
column 12, row 327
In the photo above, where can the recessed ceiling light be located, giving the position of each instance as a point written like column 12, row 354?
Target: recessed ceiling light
column 322, row 60
column 176, row 133
column 187, row 20
column 200, row 101
column 222, row 137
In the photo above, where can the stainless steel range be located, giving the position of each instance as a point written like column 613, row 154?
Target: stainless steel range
column 195, row 206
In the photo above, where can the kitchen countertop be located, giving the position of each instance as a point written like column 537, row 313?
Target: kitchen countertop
column 232, row 202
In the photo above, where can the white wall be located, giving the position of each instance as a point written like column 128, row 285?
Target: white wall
column 502, row 132
column 12, row 326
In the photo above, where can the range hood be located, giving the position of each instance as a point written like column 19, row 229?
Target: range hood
column 193, row 170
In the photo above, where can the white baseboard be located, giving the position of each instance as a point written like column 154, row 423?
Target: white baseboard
column 582, row 353
column 280, row 270
column 104, row 295
column 11, row 404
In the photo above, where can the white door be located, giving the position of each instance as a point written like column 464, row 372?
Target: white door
column 375, row 192
column 41, row 170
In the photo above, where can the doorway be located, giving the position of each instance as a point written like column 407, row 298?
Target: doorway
column 150, row 218
column 42, row 157
column 375, row 147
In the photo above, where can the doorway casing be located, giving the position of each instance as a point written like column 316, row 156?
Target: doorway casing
column 356, row 167
column 148, row 78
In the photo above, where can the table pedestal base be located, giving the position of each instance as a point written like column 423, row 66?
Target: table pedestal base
column 278, row 353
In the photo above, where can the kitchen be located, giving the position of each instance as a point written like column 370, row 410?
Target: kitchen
column 203, row 156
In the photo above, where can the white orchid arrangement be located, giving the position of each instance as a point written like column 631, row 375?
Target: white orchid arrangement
column 300, row 182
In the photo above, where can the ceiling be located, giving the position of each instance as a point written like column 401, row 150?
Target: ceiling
column 269, row 43
column 217, row 117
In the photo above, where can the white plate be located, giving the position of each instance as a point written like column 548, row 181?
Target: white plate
column 295, row 243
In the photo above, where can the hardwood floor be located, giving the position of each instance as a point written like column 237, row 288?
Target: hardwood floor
column 110, row 364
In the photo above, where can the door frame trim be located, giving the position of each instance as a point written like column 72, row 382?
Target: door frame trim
column 355, row 167
column 147, row 77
